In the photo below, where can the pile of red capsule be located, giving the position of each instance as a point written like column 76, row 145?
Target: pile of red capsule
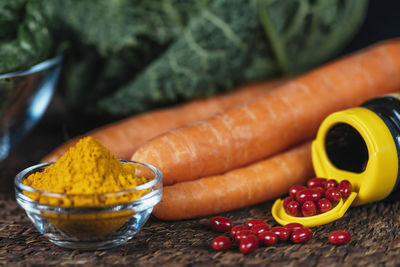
column 255, row 232
column 319, row 196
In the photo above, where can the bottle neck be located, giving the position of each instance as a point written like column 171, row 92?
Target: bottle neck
column 388, row 109
column 356, row 144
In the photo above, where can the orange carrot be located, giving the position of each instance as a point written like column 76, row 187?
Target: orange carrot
column 125, row 136
column 242, row 187
column 275, row 121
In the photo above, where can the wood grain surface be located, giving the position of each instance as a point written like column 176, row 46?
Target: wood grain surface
column 374, row 228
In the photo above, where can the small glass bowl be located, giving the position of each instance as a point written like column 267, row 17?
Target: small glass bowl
column 90, row 227
column 24, row 97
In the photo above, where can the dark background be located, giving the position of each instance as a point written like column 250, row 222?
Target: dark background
column 382, row 22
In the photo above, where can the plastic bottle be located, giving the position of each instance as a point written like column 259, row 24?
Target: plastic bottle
column 362, row 145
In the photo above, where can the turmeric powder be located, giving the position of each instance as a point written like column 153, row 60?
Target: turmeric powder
column 83, row 174
column 87, row 175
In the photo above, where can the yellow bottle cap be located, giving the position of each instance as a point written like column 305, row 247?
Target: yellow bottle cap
column 373, row 183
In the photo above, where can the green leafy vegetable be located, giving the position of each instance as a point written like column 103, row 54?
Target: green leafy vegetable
column 130, row 56
column 112, row 41
column 24, row 36
column 112, row 26
column 207, row 57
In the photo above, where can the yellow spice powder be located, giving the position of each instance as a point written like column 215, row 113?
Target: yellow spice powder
column 83, row 175
column 83, row 172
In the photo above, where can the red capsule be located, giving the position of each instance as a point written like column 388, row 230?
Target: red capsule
column 293, row 226
column 324, row 205
column 333, row 195
column 268, row 238
column 316, row 182
column 221, row 243
column 330, row 184
column 248, row 244
column 340, row 237
column 308, row 208
column 295, row 189
column 250, row 223
column 301, row 235
column 345, row 188
column 242, row 234
column 235, row 229
column 286, row 201
column 307, row 195
column 293, row 208
column 220, row 224
column 320, row 190
column 259, row 228
column 281, row 232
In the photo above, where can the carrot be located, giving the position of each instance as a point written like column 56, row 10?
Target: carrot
column 242, row 187
column 125, row 136
column 276, row 120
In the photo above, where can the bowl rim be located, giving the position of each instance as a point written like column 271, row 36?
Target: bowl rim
column 148, row 185
column 48, row 63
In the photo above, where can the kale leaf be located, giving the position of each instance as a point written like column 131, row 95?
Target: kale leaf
column 111, row 41
column 112, row 26
column 128, row 56
column 24, row 36
column 235, row 41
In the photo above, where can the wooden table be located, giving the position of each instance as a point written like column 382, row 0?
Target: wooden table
column 375, row 227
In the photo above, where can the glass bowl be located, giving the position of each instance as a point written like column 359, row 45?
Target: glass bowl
column 90, row 227
column 24, row 96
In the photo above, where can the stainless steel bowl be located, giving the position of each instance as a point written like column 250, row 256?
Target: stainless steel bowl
column 24, row 96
